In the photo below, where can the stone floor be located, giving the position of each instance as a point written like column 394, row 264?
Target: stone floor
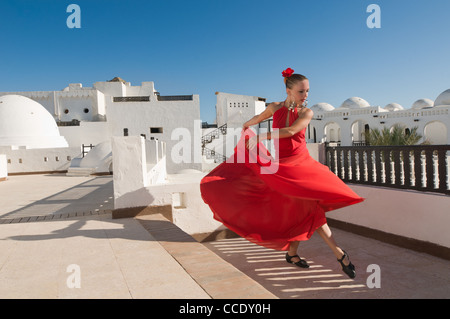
column 383, row 271
column 57, row 232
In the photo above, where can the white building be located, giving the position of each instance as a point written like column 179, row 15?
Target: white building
column 80, row 115
column 235, row 109
column 232, row 110
column 346, row 124
column 29, row 138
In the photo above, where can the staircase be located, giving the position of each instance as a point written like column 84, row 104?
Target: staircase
column 210, row 152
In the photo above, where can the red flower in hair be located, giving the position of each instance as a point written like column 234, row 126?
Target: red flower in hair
column 287, row 73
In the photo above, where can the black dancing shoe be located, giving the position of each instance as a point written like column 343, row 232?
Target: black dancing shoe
column 302, row 263
column 348, row 269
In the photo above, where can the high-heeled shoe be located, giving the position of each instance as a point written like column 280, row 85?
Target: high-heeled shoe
column 348, row 269
column 302, row 263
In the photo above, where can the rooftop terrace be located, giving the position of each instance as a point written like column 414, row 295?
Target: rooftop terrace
column 50, row 222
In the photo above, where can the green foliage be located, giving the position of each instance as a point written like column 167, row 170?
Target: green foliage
column 398, row 135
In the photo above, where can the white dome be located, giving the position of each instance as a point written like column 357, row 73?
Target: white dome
column 24, row 122
column 354, row 103
column 422, row 103
column 443, row 98
column 322, row 107
column 393, row 107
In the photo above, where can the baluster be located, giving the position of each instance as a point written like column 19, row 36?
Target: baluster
column 339, row 163
column 353, row 163
column 442, row 170
column 346, row 169
column 387, row 166
column 397, row 168
column 418, row 169
column 407, row 167
column 332, row 156
column 370, row 177
column 429, row 169
column 362, row 167
column 378, row 167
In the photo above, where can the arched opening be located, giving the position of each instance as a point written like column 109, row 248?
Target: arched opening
column 436, row 133
column 332, row 133
column 359, row 129
column 311, row 134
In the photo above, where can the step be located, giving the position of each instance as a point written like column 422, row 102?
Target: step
column 80, row 171
column 218, row 278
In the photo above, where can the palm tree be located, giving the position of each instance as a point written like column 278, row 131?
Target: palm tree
column 398, row 135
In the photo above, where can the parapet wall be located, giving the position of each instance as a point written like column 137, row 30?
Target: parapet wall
column 409, row 214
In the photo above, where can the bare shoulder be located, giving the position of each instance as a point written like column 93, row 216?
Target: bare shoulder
column 275, row 106
column 306, row 113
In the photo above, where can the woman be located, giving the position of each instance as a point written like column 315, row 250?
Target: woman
column 280, row 209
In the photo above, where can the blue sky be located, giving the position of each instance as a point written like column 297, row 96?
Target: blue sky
column 233, row 46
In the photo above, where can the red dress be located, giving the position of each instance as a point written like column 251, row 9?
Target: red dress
column 273, row 202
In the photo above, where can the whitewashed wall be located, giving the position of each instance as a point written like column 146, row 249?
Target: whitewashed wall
column 234, row 109
column 3, row 167
column 86, row 133
column 137, row 163
column 39, row 160
column 139, row 181
column 418, row 215
column 172, row 116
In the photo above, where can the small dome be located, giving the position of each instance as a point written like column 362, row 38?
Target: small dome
column 354, row 103
column 422, row 103
column 392, row 107
column 443, row 98
column 322, row 107
column 25, row 122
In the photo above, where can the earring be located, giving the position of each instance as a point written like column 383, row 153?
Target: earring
column 292, row 106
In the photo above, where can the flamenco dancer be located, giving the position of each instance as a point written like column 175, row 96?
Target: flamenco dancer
column 280, row 209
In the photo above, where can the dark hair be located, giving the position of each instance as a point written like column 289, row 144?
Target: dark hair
column 294, row 78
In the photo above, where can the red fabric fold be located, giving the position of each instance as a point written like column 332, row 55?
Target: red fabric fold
column 273, row 201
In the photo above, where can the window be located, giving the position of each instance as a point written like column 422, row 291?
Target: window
column 46, row 159
column 86, row 110
column 154, row 130
column 178, row 200
column 125, row 132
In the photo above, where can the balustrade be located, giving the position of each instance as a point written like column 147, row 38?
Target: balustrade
column 418, row 167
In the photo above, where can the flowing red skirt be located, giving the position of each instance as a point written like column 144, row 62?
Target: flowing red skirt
column 273, row 203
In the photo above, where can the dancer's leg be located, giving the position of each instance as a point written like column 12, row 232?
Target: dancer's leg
column 293, row 247
column 325, row 232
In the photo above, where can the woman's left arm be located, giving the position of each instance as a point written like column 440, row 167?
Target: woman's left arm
column 285, row 132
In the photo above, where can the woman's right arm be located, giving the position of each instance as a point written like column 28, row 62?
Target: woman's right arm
column 266, row 114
